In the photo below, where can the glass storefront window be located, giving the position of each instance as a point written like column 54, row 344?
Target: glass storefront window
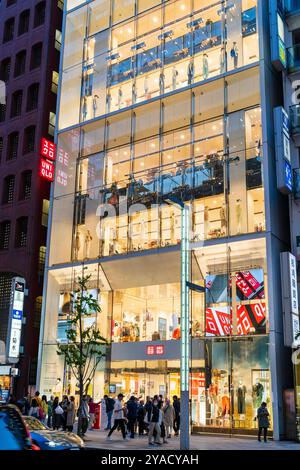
column 122, row 10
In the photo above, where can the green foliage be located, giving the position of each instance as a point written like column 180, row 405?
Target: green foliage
column 84, row 348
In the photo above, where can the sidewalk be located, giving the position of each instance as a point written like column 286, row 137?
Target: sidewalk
column 97, row 440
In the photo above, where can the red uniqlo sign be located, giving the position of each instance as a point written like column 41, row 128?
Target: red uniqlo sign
column 48, row 149
column 46, row 170
column 155, row 350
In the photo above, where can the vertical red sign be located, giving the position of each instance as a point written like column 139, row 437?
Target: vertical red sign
column 48, row 149
column 46, row 170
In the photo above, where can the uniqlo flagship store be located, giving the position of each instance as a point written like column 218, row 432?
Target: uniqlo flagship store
column 139, row 297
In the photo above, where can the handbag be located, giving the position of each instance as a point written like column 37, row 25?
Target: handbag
column 59, row 410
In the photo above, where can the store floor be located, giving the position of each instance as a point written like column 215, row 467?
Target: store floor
column 97, row 440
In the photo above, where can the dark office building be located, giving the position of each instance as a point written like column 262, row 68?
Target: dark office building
column 30, row 40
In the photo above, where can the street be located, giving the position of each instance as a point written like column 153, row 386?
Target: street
column 97, row 440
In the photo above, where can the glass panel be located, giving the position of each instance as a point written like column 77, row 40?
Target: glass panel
column 122, row 9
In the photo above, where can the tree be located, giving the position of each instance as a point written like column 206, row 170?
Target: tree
column 84, row 348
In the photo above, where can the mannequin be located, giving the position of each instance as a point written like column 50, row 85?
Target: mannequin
column 205, row 67
column 95, row 105
column 241, row 398
column 222, row 60
column 120, row 97
column 57, row 389
column 238, row 212
column 84, row 108
column 257, row 394
column 108, row 101
column 134, row 93
column 87, row 243
column 206, row 222
column 174, row 77
column 234, row 53
column 190, row 72
column 77, row 244
column 208, row 27
column 223, row 219
column 161, row 82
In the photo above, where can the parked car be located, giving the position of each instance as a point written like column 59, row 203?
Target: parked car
column 46, row 439
column 13, row 431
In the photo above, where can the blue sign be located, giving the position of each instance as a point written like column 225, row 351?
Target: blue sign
column 288, row 175
column 17, row 314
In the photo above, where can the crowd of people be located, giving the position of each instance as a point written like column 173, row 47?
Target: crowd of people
column 58, row 414
column 156, row 417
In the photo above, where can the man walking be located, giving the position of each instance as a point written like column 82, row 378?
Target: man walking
column 132, row 408
column 118, row 415
column 155, row 423
column 109, row 408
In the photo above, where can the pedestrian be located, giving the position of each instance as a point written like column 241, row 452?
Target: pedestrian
column 57, row 414
column 148, row 409
column 109, row 408
column 119, row 418
column 263, row 421
column 83, row 416
column 132, row 408
column 37, row 398
column 35, row 410
column 44, row 407
column 64, row 404
column 155, row 423
column 50, row 411
column 92, row 412
column 141, row 412
column 162, row 425
column 176, row 406
column 169, row 418
column 71, row 414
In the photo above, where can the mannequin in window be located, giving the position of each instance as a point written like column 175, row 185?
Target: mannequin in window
column 225, row 401
column 95, row 105
column 208, row 28
column 234, row 53
column 241, row 398
column 134, row 93
column 120, row 97
column 108, row 101
column 84, row 108
column 57, row 389
column 222, row 60
column 257, row 394
column 206, row 222
column 190, row 72
column 77, row 244
column 174, row 77
column 205, row 67
column 161, row 82
column 238, row 212
column 223, row 219
column 87, row 243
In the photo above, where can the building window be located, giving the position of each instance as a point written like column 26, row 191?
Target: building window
column 21, row 232
column 20, row 63
column 36, row 55
column 29, row 140
column 25, row 192
column 32, row 97
column 5, row 69
column 8, row 33
column 45, row 212
column 37, row 312
column 60, row 4
column 58, row 38
column 10, row 2
column 52, row 121
column 1, row 148
column 39, row 14
column 24, row 22
column 4, row 234
column 42, row 260
column 54, row 84
column 8, row 189
column 12, row 147
column 16, row 103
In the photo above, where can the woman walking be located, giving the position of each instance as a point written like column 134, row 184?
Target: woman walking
column 263, row 421
column 169, row 417
column 71, row 414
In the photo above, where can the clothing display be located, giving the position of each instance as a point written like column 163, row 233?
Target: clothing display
column 205, row 67
column 190, row 72
column 234, row 53
column 174, row 78
column 257, row 394
column 87, row 243
column 225, row 405
column 241, row 399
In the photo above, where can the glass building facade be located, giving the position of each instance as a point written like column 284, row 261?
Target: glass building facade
column 161, row 99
